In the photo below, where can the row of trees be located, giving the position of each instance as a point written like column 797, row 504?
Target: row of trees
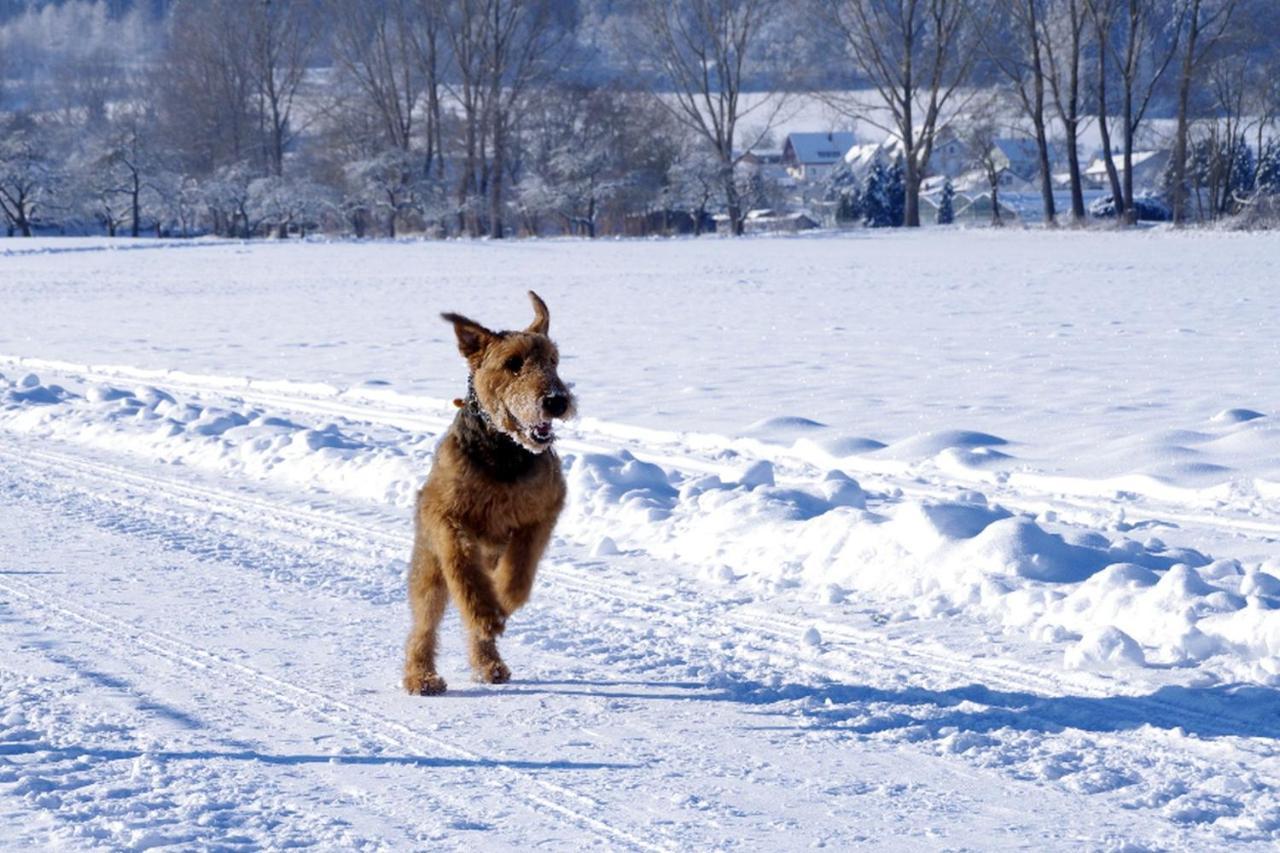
column 484, row 117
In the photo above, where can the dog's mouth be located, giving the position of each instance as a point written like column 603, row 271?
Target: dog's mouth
column 542, row 433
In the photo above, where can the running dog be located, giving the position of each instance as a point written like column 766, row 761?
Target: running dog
column 492, row 498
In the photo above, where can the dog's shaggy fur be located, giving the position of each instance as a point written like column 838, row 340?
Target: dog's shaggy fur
column 487, row 510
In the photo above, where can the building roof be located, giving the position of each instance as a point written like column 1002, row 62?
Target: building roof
column 863, row 156
column 819, row 148
column 1017, row 149
column 1098, row 166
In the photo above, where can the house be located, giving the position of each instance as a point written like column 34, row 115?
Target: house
column 976, row 181
column 1148, row 166
column 765, row 163
column 950, row 155
column 1019, row 155
column 812, row 156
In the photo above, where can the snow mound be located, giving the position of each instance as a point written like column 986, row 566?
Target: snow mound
column 1236, row 416
column 931, row 444
column 1103, row 649
column 782, row 429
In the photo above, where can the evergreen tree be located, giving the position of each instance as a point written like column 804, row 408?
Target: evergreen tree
column 1242, row 168
column 1267, row 181
column 946, row 204
column 843, row 189
column 897, row 193
column 884, row 197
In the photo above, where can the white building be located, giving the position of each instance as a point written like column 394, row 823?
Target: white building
column 1148, row 166
column 812, row 156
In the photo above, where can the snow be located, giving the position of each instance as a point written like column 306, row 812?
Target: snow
column 986, row 512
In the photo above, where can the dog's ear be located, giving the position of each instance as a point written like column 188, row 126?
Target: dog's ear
column 473, row 339
column 541, row 317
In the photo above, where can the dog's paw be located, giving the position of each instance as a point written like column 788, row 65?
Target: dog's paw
column 425, row 685
column 493, row 672
column 492, row 625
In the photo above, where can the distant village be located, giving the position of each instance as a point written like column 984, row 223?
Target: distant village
column 806, row 177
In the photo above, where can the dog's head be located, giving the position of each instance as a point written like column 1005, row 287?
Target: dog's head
column 514, row 378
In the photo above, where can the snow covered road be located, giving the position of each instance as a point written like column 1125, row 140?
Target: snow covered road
column 231, row 679
column 771, row 640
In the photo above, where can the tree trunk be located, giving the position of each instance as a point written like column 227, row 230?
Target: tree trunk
column 1037, row 118
column 1046, row 173
column 1073, row 164
column 1179, row 189
column 736, row 225
column 911, row 194
column 496, row 185
column 1117, row 195
column 1130, row 215
column 136, row 207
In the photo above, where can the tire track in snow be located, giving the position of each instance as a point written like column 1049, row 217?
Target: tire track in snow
column 321, row 707
column 771, row 633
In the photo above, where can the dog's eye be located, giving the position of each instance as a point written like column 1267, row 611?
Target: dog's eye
column 514, row 364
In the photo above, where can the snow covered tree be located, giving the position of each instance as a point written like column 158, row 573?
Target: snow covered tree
column 946, row 204
column 385, row 186
column 28, row 177
column 694, row 183
column 281, row 203
column 845, row 190
column 96, row 192
column 175, row 203
column 226, row 197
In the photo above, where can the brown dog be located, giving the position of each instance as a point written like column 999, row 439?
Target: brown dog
column 492, row 498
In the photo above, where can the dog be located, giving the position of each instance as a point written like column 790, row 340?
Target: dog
column 492, row 498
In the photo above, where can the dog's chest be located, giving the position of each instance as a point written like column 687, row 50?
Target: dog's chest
column 498, row 509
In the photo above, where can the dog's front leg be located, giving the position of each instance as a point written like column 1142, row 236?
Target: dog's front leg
column 469, row 585
column 519, row 564
column 428, row 596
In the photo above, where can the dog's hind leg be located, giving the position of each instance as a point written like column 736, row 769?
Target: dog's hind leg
column 519, row 564
column 428, row 597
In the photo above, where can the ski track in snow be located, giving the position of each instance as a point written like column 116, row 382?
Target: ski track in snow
column 980, row 642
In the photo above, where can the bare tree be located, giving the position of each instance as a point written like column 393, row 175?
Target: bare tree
column 1142, row 46
column 1207, row 22
column 1062, row 30
column 1021, row 59
column 429, row 44
column 980, row 133
column 1102, row 12
column 128, row 162
column 282, row 42
column 917, row 54
column 501, row 49
column 705, row 50
column 206, row 85
column 375, row 49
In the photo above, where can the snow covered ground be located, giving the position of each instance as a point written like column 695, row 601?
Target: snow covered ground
column 873, row 540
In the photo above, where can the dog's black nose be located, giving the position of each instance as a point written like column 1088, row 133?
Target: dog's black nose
column 555, row 405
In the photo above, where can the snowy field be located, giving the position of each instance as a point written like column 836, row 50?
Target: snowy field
column 944, row 540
